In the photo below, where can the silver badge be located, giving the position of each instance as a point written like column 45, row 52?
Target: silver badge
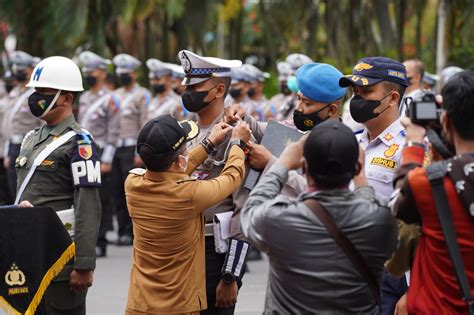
column 185, row 62
column 22, row 161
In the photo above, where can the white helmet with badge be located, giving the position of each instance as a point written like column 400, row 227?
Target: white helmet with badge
column 57, row 72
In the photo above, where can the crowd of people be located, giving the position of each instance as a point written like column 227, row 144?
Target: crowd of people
column 348, row 215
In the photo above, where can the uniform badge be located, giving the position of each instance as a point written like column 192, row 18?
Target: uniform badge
column 390, row 164
column 185, row 62
column 85, row 151
column 308, row 123
column 388, row 136
column 21, row 160
column 391, row 150
column 362, row 66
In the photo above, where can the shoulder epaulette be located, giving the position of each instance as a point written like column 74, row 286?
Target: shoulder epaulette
column 188, row 179
column 138, row 171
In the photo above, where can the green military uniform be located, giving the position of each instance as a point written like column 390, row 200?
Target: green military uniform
column 67, row 177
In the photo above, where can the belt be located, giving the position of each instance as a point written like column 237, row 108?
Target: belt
column 209, row 229
column 16, row 139
column 126, row 142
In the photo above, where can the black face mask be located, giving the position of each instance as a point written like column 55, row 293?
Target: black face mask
column 125, row 79
column 251, row 92
column 284, row 89
column 90, row 80
column 9, row 87
column 158, row 88
column 305, row 122
column 20, row 76
column 362, row 110
column 193, row 101
column 41, row 104
column 177, row 91
column 235, row 93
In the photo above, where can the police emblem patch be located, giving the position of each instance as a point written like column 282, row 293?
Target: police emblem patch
column 85, row 151
column 391, row 150
column 388, row 136
column 185, row 62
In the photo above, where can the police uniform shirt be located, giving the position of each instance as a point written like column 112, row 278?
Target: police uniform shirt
column 67, row 177
column 382, row 157
column 18, row 119
column 133, row 110
column 101, row 120
column 168, row 104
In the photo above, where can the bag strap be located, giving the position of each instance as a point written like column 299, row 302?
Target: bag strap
column 347, row 247
column 93, row 108
column 40, row 158
column 436, row 173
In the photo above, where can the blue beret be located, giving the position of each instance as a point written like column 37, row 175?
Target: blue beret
column 372, row 70
column 320, row 82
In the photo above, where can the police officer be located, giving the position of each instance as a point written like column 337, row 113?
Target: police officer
column 165, row 101
column 207, row 82
column 239, row 88
column 281, row 100
column 176, row 77
column 134, row 102
column 18, row 120
column 59, row 167
column 98, row 113
column 259, row 102
column 297, row 60
column 378, row 85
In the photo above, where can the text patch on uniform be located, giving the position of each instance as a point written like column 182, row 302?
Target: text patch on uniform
column 391, row 164
column 85, row 163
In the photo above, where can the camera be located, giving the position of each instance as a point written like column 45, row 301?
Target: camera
column 424, row 110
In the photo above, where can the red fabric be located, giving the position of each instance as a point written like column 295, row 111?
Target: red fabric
column 433, row 286
column 413, row 154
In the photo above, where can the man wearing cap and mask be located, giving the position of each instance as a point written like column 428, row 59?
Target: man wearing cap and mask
column 258, row 101
column 59, row 167
column 378, row 85
column 18, row 120
column 165, row 101
column 306, row 264
column 239, row 88
column 134, row 102
column 166, row 206
column 282, row 99
column 98, row 114
column 207, row 82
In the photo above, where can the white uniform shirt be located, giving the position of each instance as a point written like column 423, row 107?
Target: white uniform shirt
column 382, row 157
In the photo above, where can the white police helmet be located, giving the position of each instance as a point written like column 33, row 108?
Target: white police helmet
column 57, row 72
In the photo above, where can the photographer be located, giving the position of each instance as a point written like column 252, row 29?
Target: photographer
column 434, row 287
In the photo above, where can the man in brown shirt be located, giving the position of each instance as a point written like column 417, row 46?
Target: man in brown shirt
column 166, row 207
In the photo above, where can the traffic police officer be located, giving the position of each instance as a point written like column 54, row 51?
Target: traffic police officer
column 59, row 167
column 239, row 87
column 259, row 102
column 207, row 81
column 281, row 100
column 134, row 101
column 18, row 120
column 165, row 101
column 379, row 84
column 98, row 113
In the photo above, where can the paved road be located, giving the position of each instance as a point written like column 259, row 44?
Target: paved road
column 108, row 296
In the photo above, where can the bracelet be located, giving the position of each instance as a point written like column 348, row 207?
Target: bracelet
column 414, row 144
column 208, row 146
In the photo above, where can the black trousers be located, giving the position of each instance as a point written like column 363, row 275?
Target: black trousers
column 5, row 197
column 123, row 163
column 107, row 203
column 214, row 263
column 13, row 152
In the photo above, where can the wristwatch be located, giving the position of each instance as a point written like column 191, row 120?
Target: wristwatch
column 228, row 277
column 239, row 142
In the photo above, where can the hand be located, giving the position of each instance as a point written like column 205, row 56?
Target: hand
column 401, row 307
column 415, row 133
column 25, row 204
column 218, row 133
column 105, row 168
column 360, row 179
column 137, row 161
column 226, row 294
column 292, row 156
column 258, row 156
column 81, row 279
column 6, row 162
column 234, row 113
column 241, row 131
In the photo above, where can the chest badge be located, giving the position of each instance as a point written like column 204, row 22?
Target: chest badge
column 388, row 136
column 391, row 150
column 85, row 151
column 21, row 160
